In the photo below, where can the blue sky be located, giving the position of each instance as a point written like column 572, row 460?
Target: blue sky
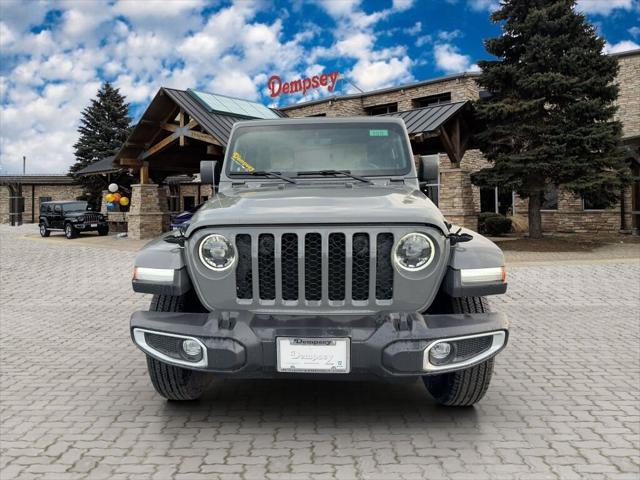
column 54, row 55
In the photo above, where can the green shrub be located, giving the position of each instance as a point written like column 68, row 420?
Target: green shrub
column 497, row 225
column 482, row 218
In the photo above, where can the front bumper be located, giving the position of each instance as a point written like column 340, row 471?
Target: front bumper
column 243, row 344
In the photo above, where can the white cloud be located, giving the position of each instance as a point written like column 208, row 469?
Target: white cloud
column 383, row 73
column 402, row 5
column 450, row 60
column 623, row 46
column 603, row 7
column 414, row 30
column 423, row 40
column 634, row 31
column 449, row 35
column 483, row 5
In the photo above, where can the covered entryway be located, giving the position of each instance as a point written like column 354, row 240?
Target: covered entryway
column 179, row 129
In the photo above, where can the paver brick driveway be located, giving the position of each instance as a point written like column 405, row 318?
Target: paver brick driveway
column 76, row 401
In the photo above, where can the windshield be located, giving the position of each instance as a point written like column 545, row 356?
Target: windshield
column 74, row 207
column 360, row 148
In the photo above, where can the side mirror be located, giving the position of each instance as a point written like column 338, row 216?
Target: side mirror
column 208, row 172
column 428, row 169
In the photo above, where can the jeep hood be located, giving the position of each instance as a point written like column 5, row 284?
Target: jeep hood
column 318, row 204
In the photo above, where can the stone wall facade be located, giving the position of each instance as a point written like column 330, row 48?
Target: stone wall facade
column 32, row 196
column 147, row 217
column 629, row 94
column 459, row 200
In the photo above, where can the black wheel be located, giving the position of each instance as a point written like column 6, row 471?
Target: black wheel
column 70, row 231
column 462, row 388
column 44, row 231
column 102, row 231
column 170, row 381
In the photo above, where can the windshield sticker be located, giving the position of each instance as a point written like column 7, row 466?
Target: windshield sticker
column 378, row 133
column 236, row 157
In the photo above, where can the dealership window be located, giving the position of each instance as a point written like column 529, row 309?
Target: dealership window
column 432, row 100
column 382, row 109
column 594, row 202
column 188, row 202
column 45, row 199
column 550, row 199
column 204, row 198
column 496, row 199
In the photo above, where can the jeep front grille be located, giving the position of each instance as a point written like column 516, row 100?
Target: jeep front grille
column 91, row 217
column 329, row 268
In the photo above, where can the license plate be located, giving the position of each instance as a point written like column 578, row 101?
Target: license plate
column 313, row 355
column 94, row 225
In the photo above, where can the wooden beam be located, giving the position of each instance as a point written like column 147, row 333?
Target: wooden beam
column 130, row 162
column 159, row 146
column 181, row 121
column 203, row 137
column 192, row 124
column 144, row 173
column 171, row 127
column 449, row 146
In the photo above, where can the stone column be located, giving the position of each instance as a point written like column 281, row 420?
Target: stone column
column 103, row 202
column 457, row 198
column 147, row 217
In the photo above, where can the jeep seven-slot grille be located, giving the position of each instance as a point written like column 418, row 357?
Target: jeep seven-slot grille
column 91, row 217
column 334, row 267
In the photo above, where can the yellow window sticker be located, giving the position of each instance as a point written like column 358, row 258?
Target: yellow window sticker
column 236, row 157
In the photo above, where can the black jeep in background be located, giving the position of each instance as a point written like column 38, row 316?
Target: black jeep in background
column 72, row 217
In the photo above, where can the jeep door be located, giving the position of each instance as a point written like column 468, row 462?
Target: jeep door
column 56, row 217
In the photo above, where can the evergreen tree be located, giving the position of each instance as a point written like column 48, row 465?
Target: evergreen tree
column 104, row 127
column 548, row 119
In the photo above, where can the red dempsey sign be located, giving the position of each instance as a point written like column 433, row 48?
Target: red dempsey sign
column 277, row 86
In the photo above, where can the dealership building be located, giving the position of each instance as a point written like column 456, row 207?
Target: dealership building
column 180, row 128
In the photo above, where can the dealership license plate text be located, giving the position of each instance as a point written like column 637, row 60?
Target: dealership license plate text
column 313, row 355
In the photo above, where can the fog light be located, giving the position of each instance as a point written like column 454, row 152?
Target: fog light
column 439, row 352
column 192, row 349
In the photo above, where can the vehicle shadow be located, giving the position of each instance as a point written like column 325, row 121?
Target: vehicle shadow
column 338, row 403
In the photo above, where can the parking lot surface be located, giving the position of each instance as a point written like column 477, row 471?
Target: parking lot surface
column 75, row 400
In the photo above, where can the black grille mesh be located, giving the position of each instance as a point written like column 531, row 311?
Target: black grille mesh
column 170, row 346
column 244, row 274
column 313, row 266
column 360, row 269
column 472, row 346
column 384, row 269
column 289, row 266
column 337, row 263
column 267, row 266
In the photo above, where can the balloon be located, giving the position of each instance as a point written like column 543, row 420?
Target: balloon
column 116, row 197
column 113, row 187
column 124, row 201
column 109, row 197
column 110, row 206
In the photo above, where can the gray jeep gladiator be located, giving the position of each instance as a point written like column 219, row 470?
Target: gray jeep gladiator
column 320, row 257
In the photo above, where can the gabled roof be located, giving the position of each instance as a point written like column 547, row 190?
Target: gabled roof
column 428, row 119
column 100, row 166
column 213, row 122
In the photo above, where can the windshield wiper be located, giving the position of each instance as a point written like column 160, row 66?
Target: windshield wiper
column 261, row 173
column 335, row 172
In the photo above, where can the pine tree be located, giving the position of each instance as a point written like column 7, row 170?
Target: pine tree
column 104, row 127
column 548, row 119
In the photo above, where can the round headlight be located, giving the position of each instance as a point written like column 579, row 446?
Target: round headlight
column 216, row 252
column 414, row 252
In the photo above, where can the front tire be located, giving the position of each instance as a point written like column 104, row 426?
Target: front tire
column 102, row 231
column 170, row 381
column 70, row 231
column 466, row 387
column 44, row 231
